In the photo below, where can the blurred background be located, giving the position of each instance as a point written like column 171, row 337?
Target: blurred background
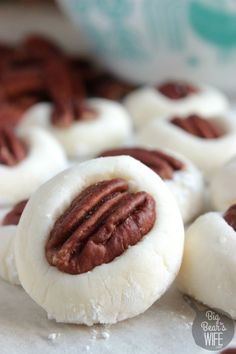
column 138, row 40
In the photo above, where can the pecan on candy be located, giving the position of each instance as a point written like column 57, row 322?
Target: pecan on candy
column 176, row 90
column 99, row 225
column 198, row 126
column 12, row 149
column 13, row 217
column 10, row 113
column 230, row 216
column 39, row 47
column 34, row 50
column 161, row 163
column 67, row 95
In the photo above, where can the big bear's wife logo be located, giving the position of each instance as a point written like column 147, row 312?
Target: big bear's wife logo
column 211, row 329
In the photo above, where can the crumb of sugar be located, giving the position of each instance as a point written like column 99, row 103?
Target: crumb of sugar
column 53, row 336
column 96, row 334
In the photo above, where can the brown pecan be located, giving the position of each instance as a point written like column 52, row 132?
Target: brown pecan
column 109, row 87
column 66, row 94
column 40, row 47
column 84, row 68
column 13, row 217
column 24, row 102
column 161, row 163
column 230, row 216
column 99, row 225
column 12, row 149
column 177, row 89
column 34, row 50
column 22, row 81
column 10, row 113
column 198, row 126
column 64, row 115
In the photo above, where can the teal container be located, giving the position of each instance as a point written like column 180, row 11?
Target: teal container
column 150, row 40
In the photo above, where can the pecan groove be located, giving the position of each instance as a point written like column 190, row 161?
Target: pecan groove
column 176, row 90
column 99, row 225
column 13, row 217
column 230, row 216
column 12, row 149
column 161, row 163
column 198, row 126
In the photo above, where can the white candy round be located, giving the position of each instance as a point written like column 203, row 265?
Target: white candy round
column 188, row 188
column 44, row 159
column 222, row 186
column 111, row 292
column 147, row 103
column 207, row 154
column 8, row 270
column 111, row 128
column 209, row 264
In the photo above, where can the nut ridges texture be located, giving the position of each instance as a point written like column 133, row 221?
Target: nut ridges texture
column 198, row 126
column 99, row 225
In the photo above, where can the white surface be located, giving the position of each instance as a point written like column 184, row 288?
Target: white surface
column 163, row 329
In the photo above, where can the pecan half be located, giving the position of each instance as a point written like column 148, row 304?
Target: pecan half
column 230, row 216
column 64, row 115
column 67, row 95
column 13, row 217
column 161, row 163
column 12, row 149
column 40, row 47
column 22, row 81
column 34, row 50
column 198, row 126
column 10, row 113
column 176, row 90
column 99, row 225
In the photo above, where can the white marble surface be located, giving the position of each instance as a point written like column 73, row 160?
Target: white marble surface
column 164, row 329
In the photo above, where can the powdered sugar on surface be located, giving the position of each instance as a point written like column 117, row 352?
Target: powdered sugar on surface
column 165, row 328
